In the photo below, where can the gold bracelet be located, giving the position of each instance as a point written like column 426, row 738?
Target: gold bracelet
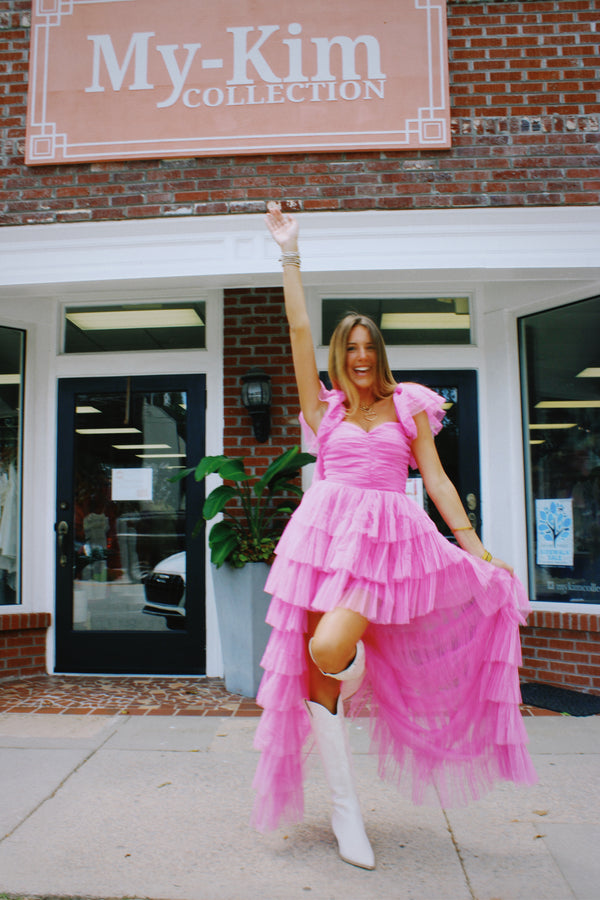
column 290, row 258
column 487, row 556
column 462, row 528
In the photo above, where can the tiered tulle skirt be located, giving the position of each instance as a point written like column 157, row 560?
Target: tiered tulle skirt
column 442, row 651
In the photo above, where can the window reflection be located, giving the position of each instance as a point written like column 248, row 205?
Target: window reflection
column 12, row 348
column 404, row 320
column 124, row 327
column 561, row 400
column 129, row 515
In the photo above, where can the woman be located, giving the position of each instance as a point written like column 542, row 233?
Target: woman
column 371, row 602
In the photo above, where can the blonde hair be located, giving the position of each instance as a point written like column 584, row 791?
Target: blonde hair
column 384, row 383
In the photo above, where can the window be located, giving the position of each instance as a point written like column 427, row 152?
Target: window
column 560, row 367
column 150, row 326
column 422, row 320
column 12, row 358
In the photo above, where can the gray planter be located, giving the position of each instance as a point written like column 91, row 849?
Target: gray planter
column 241, row 610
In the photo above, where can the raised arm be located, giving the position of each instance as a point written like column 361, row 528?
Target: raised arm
column 444, row 494
column 284, row 229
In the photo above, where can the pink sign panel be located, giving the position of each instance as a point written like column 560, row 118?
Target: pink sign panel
column 134, row 79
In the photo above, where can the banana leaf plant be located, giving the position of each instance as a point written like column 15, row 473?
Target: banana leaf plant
column 255, row 510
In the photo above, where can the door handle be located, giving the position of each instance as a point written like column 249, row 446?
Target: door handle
column 62, row 529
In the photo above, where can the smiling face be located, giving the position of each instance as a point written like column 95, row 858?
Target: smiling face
column 358, row 364
column 361, row 358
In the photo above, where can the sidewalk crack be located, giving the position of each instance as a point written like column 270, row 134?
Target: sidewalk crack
column 459, row 855
column 59, row 786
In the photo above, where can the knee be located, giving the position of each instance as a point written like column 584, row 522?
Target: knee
column 329, row 653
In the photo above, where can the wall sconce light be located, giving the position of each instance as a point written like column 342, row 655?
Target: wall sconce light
column 256, row 397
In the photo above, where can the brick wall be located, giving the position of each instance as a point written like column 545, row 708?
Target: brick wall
column 524, row 84
column 23, row 644
column 562, row 649
column 256, row 334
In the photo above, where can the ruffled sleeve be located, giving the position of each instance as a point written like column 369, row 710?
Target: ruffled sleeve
column 410, row 399
column 334, row 414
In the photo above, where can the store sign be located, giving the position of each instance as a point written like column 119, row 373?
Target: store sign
column 135, row 79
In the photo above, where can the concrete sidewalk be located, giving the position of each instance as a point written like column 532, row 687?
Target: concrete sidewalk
column 158, row 808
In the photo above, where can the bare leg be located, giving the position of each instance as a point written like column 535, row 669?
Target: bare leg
column 335, row 635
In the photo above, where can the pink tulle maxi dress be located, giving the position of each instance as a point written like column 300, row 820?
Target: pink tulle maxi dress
column 442, row 645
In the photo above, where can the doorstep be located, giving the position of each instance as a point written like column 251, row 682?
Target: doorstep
column 87, row 695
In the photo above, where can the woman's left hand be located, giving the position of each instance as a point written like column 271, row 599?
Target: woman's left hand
column 500, row 564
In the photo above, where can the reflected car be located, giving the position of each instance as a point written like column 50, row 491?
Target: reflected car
column 164, row 589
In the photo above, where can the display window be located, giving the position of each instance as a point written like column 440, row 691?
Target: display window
column 560, row 371
column 12, row 362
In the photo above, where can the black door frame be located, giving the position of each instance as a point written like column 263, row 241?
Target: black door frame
column 467, row 480
column 128, row 652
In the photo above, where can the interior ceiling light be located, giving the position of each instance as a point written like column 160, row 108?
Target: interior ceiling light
column 108, row 431
column 141, row 446
column 590, row 372
column 121, row 319
column 537, row 442
column 424, row 321
column 544, row 425
column 86, row 409
column 10, row 379
column 160, row 455
column 568, row 404
column 448, row 404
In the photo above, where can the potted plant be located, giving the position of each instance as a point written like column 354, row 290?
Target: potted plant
column 242, row 544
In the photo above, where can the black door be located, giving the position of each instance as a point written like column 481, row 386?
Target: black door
column 458, row 441
column 129, row 576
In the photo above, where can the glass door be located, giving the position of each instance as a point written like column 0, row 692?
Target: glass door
column 130, row 578
column 458, row 441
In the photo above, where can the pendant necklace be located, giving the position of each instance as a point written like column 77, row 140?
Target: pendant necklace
column 368, row 413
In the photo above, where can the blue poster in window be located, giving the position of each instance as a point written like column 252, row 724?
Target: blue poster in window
column 554, row 532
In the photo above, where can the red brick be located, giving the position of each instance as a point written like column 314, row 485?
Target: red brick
column 579, row 658
column 579, row 681
column 560, row 643
column 508, row 40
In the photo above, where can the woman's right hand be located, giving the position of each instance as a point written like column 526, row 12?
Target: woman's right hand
column 283, row 227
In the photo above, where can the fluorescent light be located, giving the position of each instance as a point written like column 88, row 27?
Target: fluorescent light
column 424, row 321
column 86, row 409
column 10, row 379
column 590, row 372
column 160, row 455
column 544, row 425
column 121, row 319
column 108, row 431
column 141, row 446
column 568, row 404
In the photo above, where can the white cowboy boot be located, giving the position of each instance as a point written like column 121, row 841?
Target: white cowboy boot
column 346, row 819
column 351, row 676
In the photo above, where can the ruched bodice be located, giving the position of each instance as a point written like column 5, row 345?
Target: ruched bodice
column 442, row 642
column 372, row 460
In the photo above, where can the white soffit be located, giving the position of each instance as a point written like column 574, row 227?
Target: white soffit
column 237, row 249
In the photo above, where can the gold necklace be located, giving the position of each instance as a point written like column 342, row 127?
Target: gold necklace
column 368, row 413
